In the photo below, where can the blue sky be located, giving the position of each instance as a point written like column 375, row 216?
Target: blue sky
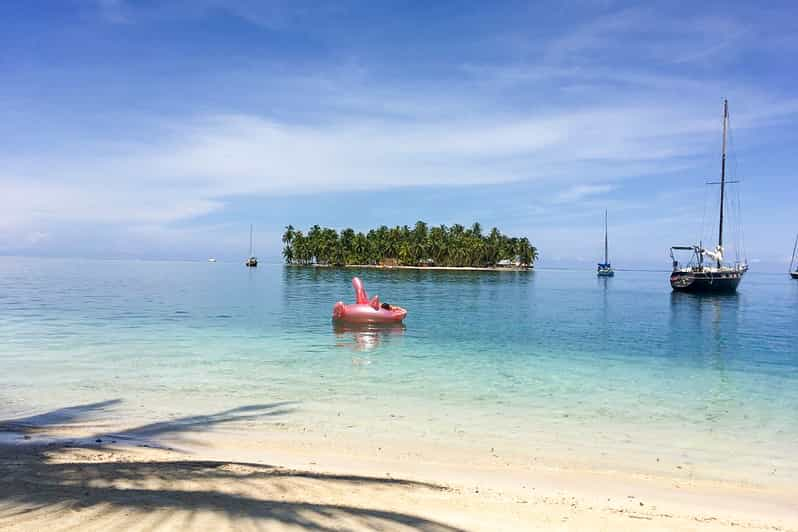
column 163, row 129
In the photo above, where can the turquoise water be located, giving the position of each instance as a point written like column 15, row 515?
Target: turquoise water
column 544, row 361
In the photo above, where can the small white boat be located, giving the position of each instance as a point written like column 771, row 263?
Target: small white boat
column 604, row 269
column 211, row 259
column 252, row 261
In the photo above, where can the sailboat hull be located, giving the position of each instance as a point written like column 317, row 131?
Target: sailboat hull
column 794, row 275
column 699, row 282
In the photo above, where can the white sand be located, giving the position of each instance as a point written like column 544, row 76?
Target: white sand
column 275, row 480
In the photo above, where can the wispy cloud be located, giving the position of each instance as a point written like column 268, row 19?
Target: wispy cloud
column 658, row 37
column 596, row 104
column 190, row 169
column 579, row 192
column 272, row 15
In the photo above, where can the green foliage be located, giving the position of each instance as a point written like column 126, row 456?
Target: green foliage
column 421, row 245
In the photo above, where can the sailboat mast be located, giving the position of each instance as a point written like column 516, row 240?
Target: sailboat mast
column 723, row 174
column 250, row 240
column 605, row 238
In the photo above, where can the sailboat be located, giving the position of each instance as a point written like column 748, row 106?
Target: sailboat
column 793, row 264
column 713, row 276
column 604, row 269
column 252, row 261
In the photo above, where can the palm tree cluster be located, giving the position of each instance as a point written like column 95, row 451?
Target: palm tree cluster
column 418, row 246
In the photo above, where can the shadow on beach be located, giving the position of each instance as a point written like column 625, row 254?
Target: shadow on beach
column 47, row 480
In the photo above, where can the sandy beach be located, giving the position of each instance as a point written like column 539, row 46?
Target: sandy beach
column 59, row 471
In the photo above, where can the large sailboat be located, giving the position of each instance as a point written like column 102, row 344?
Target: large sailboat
column 793, row 264
column 604, row 269
column 700, row 275
column 252, row 261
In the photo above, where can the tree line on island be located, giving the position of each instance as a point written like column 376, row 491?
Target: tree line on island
column 455, row 246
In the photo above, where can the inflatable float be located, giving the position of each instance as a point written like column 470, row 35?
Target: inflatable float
column 366, row 310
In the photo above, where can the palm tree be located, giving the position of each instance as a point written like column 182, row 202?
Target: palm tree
column 288, row 254
column 476, row 229
column 288, row 238
column 329, row 245
column 347, row 241
column 360, row 249
column 374, row 246
column 392, row 242
column 525, row 255
column 406, row 253
column 301, row 249
column 288, row 235
column 314, row 243
column 420, row 243
column 437, row 244
column 455, row 246
column 493, row 247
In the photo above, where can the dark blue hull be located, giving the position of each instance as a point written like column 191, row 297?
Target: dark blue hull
column 701, row 282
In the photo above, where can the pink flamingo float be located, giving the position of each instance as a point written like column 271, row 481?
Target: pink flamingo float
column 366, row 310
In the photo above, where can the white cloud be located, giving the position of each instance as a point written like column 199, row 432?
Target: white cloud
column 579, row 192
column 191, row 169
column 577, row 117
column 668, row 38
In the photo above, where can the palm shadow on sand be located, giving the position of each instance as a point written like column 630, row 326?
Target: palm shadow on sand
column 42, row 480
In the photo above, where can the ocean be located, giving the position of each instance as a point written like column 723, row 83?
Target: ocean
column 617, row 372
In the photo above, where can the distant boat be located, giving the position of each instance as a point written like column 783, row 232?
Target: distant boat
column 793, row 264
column 604, row 269
column 252, row 261
column 697, row 276
column 211, row 259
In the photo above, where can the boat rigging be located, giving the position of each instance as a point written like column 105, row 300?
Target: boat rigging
column 698, row 276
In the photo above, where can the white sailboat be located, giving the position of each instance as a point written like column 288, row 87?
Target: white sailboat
column 604, row 269
column 252, row 261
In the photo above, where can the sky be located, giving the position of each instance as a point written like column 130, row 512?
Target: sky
column 163, row 129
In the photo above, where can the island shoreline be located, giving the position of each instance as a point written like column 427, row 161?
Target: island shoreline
column 420, row 268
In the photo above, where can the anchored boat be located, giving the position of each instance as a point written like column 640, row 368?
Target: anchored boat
column 252, row 261
column 604, row 269
column 706, row 271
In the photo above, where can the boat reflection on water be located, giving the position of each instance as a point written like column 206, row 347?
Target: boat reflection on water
column 713, row 322
column 366, row 336
column 719, row 310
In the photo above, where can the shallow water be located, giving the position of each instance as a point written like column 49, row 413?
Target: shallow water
column 544, row 361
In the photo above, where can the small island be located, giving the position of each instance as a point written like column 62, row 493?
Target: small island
column 421, row 246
